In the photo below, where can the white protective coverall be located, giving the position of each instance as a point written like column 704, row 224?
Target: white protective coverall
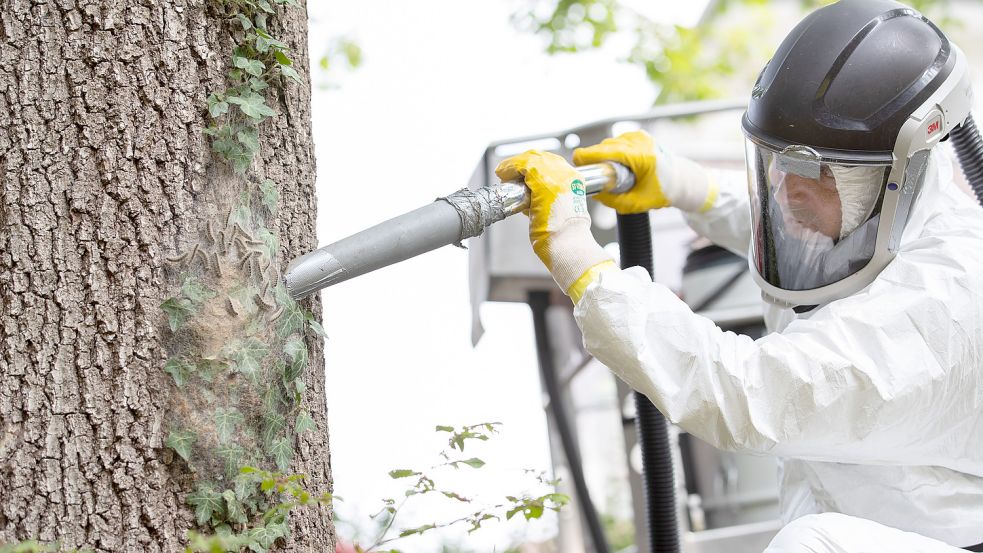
column 873, row 403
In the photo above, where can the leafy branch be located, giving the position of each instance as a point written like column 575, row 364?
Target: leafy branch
column 258, row 61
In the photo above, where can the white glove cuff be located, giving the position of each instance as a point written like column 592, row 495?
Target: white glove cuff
column 573, row 251
column 684, row 183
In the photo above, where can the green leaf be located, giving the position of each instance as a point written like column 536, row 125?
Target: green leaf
column 248, row 355
column 353, row 52
column 453, row 495
column 417, row 530
column 304, row 423
column 270, row 194
column 296, row 350
column 281, row 58
column 260, row 21
column 180, row 369
column 266, row 535
column 402, row 473
column 253, row 67
column 194, row 290
column 241, row 216
column 291, row 73
column 245, row 483
column 282, row 453
column 257, row 84
column 291, row 320
column 206, row 502
column 252, row 105
column 178, row 310
column 233, row 509
column 273, row 425
column 249, row 138
column 271, row 244
column 445, row 429
column 244, row 21
column 225, row 423
column 232, row 456
column 265, row 6
column 216, row 107
column 181, row 441
column 473, row 462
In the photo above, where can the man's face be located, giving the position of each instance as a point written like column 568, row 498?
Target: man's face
column 813, row 204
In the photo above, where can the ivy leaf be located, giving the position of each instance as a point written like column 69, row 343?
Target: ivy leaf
column 216, row 107
column 241, row 216
column 453, row 495
column 244, row 21
column 270, row 194
column 291, row 73
column 208, row 367
column 271, row 244
column 291, row 320
column 273, row 425
column 297, row 351
column 181, row 441
column 253, row 67
column 178, row 310
column 282, row 453
column 257, row 84
column 264, row 5
column 225, row 423
column 304, row 423
column 194, row 290
column 402, row 473
column 232, row 455
column 233, row 508
column 248, row 356
column 206, row 502
column 253, row 105
column 315, row 326
column 266, row 535
column 179, row 368
column 282, row 58
column 445, row 429
column 260, row 21
column 245, row 485
column 249, row 138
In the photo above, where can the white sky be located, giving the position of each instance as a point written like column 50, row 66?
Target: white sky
column 440, row 80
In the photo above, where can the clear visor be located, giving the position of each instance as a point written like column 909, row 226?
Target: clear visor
column 813, row 222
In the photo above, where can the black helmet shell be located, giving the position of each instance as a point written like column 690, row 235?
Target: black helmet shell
column 847, row 78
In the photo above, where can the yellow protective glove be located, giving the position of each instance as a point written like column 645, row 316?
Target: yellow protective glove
column 559, row 223
column 661, row 178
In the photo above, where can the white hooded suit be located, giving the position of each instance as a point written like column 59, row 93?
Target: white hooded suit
column 874, row 403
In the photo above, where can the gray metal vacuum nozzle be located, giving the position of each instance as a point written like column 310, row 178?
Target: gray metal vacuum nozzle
column 450, row 220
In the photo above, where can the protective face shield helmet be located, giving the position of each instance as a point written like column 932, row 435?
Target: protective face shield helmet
column 838, row 130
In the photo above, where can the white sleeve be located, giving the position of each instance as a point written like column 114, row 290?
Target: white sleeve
column 883, row 377
column 728, row 222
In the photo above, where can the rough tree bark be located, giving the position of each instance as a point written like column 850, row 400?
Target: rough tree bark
column 105, row 173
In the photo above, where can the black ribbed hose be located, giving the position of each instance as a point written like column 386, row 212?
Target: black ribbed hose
column 969, row 148
column 635, row 240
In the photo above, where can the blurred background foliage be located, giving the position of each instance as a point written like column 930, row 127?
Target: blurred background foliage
column 715, row 57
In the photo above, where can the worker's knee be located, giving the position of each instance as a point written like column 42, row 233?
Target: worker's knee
column 808, row 534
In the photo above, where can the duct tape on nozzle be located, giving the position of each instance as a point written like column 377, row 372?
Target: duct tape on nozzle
column 478, row 209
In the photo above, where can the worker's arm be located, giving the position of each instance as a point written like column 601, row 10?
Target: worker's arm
column 715, row 202
column 879, row 377
column 727, row 221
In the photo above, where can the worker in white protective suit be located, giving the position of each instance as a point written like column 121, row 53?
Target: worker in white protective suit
column 870, row 387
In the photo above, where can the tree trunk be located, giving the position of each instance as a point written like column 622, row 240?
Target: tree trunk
column 106, row 174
